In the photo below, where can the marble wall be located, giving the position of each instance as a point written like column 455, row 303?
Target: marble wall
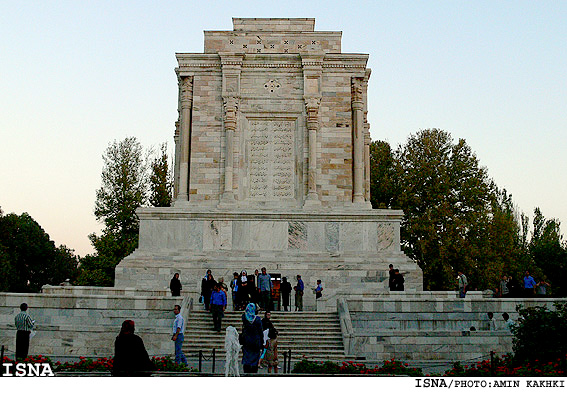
column 85, row 321
column 429, row 325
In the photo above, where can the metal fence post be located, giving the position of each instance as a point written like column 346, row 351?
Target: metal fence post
column 213, row 360
column 289, row 361
column 284, row 362
column 200, row 360
column 491, row 363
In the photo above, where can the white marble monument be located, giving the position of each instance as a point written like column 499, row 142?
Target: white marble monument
column 272, row 168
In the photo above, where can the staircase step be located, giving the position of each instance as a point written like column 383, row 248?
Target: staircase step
column 315, row 335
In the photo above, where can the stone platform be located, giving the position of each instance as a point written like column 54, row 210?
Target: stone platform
column 348, row 250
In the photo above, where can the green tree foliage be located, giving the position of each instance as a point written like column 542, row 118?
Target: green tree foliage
column 446, row 198
column 161, row 180
column 123, row 190
column 540, row 334
column 383, row 187
column 455, row 217
column 28, row 258
column 549, row 253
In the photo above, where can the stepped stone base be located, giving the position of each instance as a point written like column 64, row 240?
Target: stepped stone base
column 429, row 326
column 348, row 250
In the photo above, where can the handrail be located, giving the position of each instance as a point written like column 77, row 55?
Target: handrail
column 346, row 325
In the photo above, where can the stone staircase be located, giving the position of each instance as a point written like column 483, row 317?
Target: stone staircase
column 315, row 335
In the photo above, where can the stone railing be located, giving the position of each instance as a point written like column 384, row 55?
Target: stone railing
column 346, row 325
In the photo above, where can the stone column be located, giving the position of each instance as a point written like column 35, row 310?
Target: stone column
column 312, row 112
column 186, row 103
column 312, row 72
column 230, row 122
column 358, row 141
column 177, row 155
column 367, row 141
column 231, row 68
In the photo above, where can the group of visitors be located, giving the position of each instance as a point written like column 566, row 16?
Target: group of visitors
column 508, row 323
column 255, row 288
column 396, row 280
column 528, row 287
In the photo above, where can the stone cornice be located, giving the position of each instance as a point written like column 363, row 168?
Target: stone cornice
column 195, row 61
column 172, row 213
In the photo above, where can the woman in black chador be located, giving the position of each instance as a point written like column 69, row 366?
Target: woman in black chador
column 175, row 285
column 130, row 356
column 285, row 289
column 207, row 285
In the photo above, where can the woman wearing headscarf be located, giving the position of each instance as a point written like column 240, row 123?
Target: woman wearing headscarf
column 207, row 285
column 243, row 289
column 130, row 356
column 252, row 339
column 175, row 285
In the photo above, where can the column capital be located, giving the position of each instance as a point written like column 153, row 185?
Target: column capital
column 230, row 112
column 357, row 92
column 186, row 86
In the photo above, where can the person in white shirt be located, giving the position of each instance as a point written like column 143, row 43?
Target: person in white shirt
column 178, row 331
column 509, row 323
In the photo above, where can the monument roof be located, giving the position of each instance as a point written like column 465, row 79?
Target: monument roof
column 272, row 35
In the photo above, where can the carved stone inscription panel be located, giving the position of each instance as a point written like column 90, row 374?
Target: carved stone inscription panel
column 271, row 160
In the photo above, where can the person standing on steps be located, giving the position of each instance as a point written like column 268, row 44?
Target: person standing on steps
column 178, row 335
column 391, row 278
column 207, row 285
column 285, row 289
column 252, row 339
column 24, row 326
column 318, row 290
column 175, row 285
column 218, row 305
column 234, row 287
column 299, row 294
column 243, row 290
column 265, row 287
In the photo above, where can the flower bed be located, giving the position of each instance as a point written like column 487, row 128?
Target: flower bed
column 85, row 364
column 390, row 367
column 506, row 367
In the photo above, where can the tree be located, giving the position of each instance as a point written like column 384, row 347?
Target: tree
column 445, row 195
column 549, row 253
column 382, row 172
column 161, row 182
column 28, row 258
column 123, row 190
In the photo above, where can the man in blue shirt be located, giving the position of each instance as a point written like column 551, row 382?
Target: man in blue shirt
column 529, row 285
column 299, row 294
column 218, row 305
column 265, row 288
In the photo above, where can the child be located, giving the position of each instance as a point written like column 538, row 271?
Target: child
column 318, row 290
column 271, row 356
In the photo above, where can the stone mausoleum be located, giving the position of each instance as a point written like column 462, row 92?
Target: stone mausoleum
column 272, row 168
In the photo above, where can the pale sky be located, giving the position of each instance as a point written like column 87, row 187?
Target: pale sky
column 76, row 75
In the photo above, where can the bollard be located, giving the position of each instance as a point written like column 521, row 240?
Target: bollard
column 213, row 360
column 200, row 359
